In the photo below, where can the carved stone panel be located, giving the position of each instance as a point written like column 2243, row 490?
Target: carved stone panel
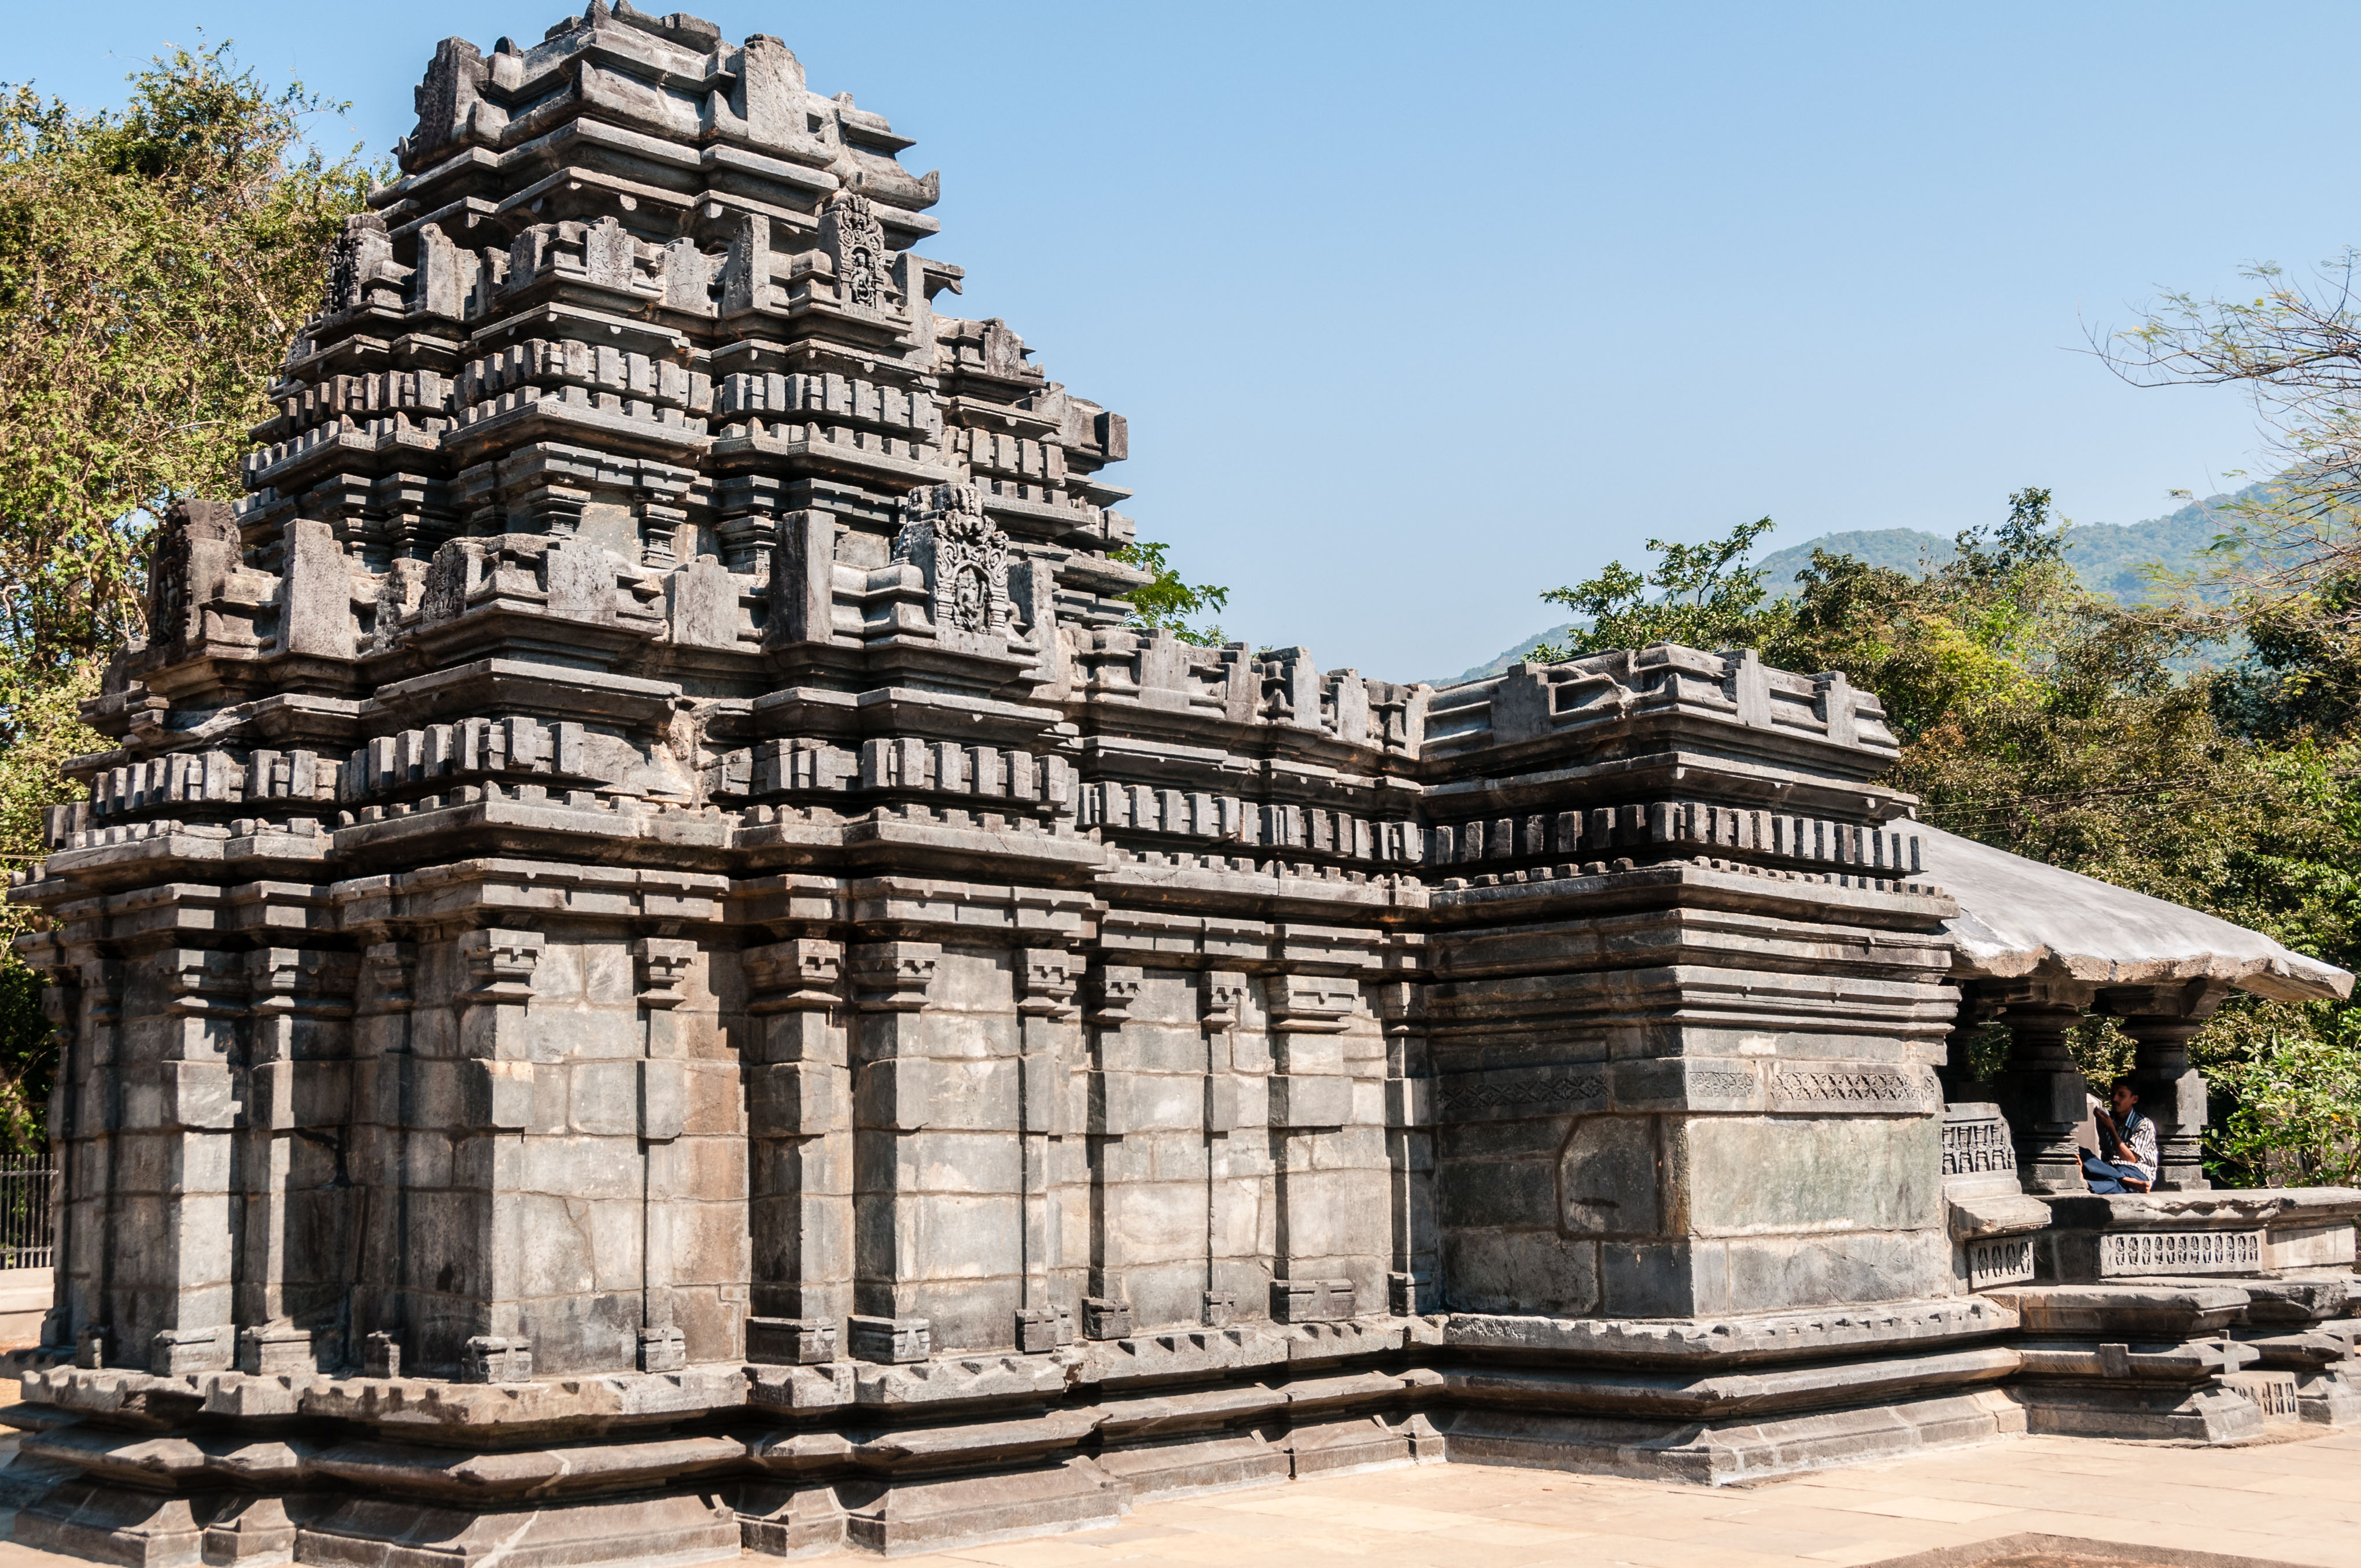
column 965, row 558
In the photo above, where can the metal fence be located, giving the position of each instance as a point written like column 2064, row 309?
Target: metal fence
column 25, row 1239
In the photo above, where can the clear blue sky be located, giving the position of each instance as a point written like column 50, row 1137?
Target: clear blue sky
column 1416, row 311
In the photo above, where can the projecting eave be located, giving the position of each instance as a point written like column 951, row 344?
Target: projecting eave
column 2020, row 917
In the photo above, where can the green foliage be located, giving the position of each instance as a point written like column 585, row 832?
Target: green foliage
column 154, row 263
column 2295, row 1105
column 1169, row 603
column 1702, row 595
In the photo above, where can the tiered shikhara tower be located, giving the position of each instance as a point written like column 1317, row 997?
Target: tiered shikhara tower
column 656, row 964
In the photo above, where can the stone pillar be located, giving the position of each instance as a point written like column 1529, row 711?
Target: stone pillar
column 892, row 1085
column 2160, row 1019
column 798, row 1103
column 663, row 963
column 1413, row 1283
column 1106, row 1304
column 2041, row 1089
column 186, row 1127
column 496, row 1084
column 1229, row 1258
column 1047, row 978
column 292, row 993
column 77, row 1149
column 1311, row 1101
column 383, row 1087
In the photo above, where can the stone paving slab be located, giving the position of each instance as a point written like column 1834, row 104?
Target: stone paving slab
column 2285, row 1502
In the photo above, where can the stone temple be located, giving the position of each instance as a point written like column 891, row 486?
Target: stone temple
column 656, row 968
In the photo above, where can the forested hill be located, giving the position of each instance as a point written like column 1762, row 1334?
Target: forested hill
column 2110, row 558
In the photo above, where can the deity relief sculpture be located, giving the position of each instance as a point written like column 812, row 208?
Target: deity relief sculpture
column 855, row 242
column 963, row 554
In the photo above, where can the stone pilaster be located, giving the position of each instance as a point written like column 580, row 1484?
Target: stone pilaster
column 798, row 1119
column 383, row 1088
column 187, row 1131
column 482, row 1328
column 1311, row 1104
column 1414, row 1281
column 1115, row 990
column 298, row 1035
column 1047, row 979
column 1227, row 1264
column 77, row 1150
column 892, row 1090
column 663, row 965
column 2160, row 1019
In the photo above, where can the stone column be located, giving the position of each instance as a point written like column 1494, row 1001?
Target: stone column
column 798, row 1105
column 1107, row 1305
column 1225, row 1258
column 1413, row 1284
column 495, row 1083
column 2040, row 1091
column 76, row 1149
column 190, row 1277
column 292, row 992
column 381, row 1317
column 2160, row 1019
column 663, row 963
column 1310, row 1100
column 892, row 1085
column 1047, row 978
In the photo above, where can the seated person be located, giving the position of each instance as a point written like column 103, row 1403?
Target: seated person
column 2129, row 1140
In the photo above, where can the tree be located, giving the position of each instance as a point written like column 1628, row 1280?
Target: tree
column 2295, row 347
column 1702, row 595
column 154, row 262
column 1169, row 603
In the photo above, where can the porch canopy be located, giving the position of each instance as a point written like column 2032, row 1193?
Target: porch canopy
column 2021, row 919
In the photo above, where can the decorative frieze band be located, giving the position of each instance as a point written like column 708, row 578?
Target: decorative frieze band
column 2004, row 1260
column 2180, row 1252
column 1509, row 1093
column 1842, row 1086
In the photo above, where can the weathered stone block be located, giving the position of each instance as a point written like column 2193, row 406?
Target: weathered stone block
column 1310, row 1100
column 888, row 1340
column 790, row 1341
column 1037, row 1330
column 1104, row 1319
column 177, row 1351
column 488, row 1358
column 1312, row 1300
column 1607, row 1179
column 276, row 1352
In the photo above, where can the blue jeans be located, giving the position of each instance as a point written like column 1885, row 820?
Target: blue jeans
column 2107, row 1176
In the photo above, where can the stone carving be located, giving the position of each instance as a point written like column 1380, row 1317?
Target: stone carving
column 1885, row 1088
column 963, row 555
column 2180, row 1252
column 357, row 257
column 855, row 241
column 661, row 928
column 194, row 552
column 1519, row 1091
column 2004, row 1261
column 1976, row 1149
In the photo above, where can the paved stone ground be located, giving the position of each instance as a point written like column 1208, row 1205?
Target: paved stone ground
column 2286, row 1502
